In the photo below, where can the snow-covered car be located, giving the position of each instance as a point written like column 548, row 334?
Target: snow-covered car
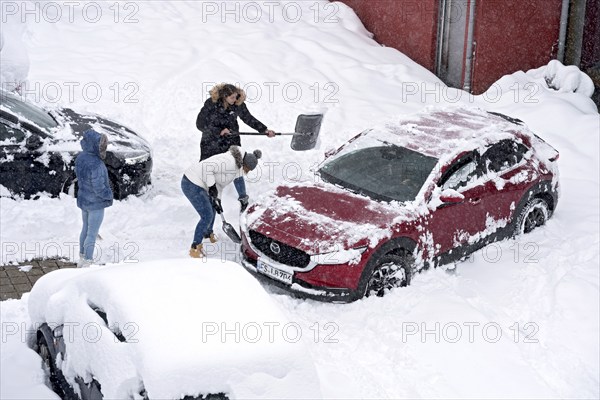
column 428, row 190
column 38, row 150
column 172, row 329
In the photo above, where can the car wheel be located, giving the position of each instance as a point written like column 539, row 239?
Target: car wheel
column 534, row 214
column 390, row 272
column 114, row 187
column 48, row 364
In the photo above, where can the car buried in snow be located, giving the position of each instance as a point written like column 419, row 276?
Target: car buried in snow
column 426, row 191
column 38, row 150
column 166, row 329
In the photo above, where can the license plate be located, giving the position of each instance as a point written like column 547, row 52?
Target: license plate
column 273, row 272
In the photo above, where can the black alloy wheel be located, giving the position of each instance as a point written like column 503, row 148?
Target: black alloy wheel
column 392, row 271
column 534, row 214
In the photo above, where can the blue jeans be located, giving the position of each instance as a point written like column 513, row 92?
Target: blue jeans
column 92, row 220
column 201, row 202
column 240, row 186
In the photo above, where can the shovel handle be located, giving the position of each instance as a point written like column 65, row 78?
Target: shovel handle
column 276, row 133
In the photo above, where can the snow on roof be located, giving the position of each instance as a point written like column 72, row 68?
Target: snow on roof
column 193, row 327
column 441, row 131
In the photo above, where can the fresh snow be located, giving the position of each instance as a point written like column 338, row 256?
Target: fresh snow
column 519, row 319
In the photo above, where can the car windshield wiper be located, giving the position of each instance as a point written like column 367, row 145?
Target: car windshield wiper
column 354, row 188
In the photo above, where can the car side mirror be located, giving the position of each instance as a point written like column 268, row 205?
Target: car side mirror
column 33, row 142
column 451, row 196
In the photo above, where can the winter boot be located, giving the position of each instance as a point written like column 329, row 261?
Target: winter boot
column 197, row 252
column 211, row 237
column 83, row 263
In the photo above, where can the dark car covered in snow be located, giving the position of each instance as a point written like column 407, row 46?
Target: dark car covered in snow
column 426, row 191
column 102, row 333
column 38, row 150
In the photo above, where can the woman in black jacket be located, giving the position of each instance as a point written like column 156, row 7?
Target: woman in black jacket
column 217, row 121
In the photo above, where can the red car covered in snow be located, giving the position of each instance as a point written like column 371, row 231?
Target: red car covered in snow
column 428, row 190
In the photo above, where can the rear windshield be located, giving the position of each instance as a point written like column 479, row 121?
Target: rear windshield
column 27, row 112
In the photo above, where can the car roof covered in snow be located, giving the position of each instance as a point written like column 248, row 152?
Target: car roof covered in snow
column 191, row 326
column 439, row 132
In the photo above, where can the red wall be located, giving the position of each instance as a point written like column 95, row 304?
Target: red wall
column 590, row 56
column 407, row 25
column 513, row 35
column 510, row 35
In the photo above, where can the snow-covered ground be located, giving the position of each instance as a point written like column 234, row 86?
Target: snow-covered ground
column 520, row 319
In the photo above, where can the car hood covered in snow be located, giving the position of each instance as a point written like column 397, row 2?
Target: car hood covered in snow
column 320, row 218
column 192, row 327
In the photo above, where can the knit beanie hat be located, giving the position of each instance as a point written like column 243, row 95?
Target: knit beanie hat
column 251, row 159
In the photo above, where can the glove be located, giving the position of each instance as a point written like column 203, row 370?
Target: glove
column 213, row 192
column 216, row 203
column 243, row 203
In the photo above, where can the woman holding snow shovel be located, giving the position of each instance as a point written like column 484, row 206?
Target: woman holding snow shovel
column 218, row 123
column 203, row 184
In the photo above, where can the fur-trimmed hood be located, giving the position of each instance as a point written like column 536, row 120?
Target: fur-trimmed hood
column 214, row 94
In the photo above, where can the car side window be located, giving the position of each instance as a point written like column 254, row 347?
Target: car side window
column 10, row 135
column 461, row 177
column 503, row 155
column 461, row 173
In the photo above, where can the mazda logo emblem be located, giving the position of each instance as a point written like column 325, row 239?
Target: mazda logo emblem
column 275, row 248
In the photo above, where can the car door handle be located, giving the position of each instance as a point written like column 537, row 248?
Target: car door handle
column 475, row 201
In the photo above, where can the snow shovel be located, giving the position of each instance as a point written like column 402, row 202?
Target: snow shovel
column 230, row 230
column 306, row 132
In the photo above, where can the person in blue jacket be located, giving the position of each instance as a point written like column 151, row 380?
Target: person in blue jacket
column 94, row 193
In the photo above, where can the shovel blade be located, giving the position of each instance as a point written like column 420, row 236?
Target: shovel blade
column 231, row 233
column 308, row 125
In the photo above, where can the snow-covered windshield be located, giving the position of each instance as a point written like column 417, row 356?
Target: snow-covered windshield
column 381, row 171
column 28, row 112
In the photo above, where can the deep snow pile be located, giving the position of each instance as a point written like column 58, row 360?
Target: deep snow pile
column 523, row 311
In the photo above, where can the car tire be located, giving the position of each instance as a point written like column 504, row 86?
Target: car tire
column 534, row 214
column 390, row 271
column 48, row 365
column 114, row 187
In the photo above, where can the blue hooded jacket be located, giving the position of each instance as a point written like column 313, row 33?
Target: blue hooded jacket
column 92, row 176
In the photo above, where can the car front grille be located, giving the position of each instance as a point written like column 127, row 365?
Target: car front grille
column 287, row 255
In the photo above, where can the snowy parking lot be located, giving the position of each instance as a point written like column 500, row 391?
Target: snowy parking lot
column 517, row 319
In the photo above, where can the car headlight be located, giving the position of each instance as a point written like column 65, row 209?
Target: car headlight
column 351, row 256
column 136, row 157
